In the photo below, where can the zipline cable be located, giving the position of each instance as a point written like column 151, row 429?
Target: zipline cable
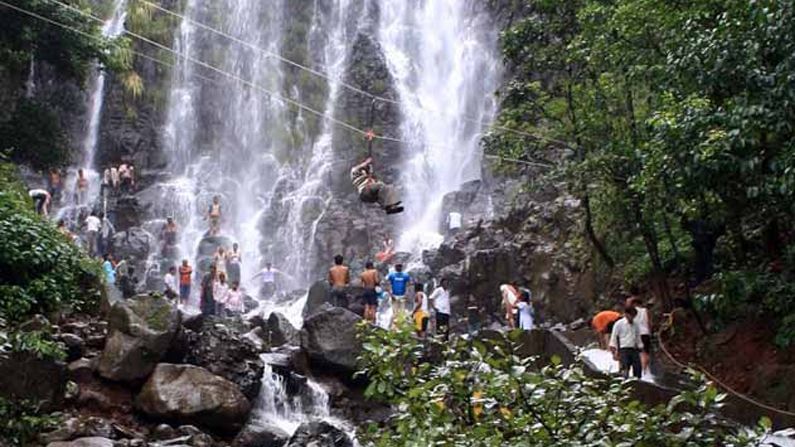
column 368, row 134
column 340, row 82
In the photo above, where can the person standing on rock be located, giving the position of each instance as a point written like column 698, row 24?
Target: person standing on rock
column 602, row 324
column 421, row 312
column 219, row 260
column 339, row 278
column 510, row 295
column 233, row 301
column 643, row 321
column 109, row 269
column 398, row 285
column 214, row 216
column 370, row 280
column 625, row 343
column 453, row 223
column 372, row 190
column 81, row 186
column 441, row 304
column 268, row 275
column 169, row 235
column 93, row 225
column 233, row 261
column 185, row 272
column 54, row 183
column 114, row 178
column 206, row 299
column 525, row 310
column 220, row 287
column 106, row 231
column 170, row 281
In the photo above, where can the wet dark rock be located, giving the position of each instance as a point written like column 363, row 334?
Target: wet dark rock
column 191, row 318
column 258, row 337
column 25, row 376
column 329, row 338
column 222, row 349
column 79, row 427
column 319, row 434
column 261, row 434
column 36, row 323
column 163, row 432
column 318, row 295
column 141, row 331
column 74, row 346
column 190, row 394
column 84, row 442
column 82, row 370
column 133, row 245
column 280, row 331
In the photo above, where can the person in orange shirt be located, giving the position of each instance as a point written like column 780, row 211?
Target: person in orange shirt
column 339, row 278
column 602, row 324
column 185, row 272
column 370, row 280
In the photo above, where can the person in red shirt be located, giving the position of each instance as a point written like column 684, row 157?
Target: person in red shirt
column 602, row 324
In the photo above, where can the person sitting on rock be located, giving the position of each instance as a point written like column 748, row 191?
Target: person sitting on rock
column 372, row 190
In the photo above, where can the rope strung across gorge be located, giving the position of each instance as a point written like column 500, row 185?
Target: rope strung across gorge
column 340, row 82
column 246, row 83
column 727, row 388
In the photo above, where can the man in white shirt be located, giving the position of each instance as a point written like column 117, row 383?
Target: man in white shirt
column 625, row 343
column 441, row 303
column 93, row 225
column 268, row 275
column 170, row 281
column 643, row 321
column 453, row 223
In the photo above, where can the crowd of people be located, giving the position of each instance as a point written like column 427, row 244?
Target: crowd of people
column 627, row 335
column 119, row 178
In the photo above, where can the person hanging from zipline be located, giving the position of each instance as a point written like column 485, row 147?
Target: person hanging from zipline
column 372, row 190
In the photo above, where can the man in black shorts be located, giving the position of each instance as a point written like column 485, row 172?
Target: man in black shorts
column 370, row 280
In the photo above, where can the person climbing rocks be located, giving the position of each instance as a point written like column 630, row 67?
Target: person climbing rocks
column 268, row 275
column 65, row 231
column 206, row 298
column 625, row 343
column 55, row 183
column 185, row 272
column 398, row 286
column 234, row 259
column 233, row 301
column 169, row 235
column 440, row 298
column 93, row 225
column 525, row 311
column 41, row 201
column 339, row 278
column 372, row 190
column 643, row 320
column 109, row 269
column 81, row 188
column 421, row 313
column 220, row 287
column 214, row 216
column 602, row 324
column 370, row 279
column 510, row 295
column 170, row 282
column 387, row 251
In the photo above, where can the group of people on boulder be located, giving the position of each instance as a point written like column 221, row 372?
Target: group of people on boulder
column 387, row 300
column 121, row 178
column 627, row 335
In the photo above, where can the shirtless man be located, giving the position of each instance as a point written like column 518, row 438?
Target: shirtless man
column 370, row 280
column 372, row 190
column 339, row 277
column 41, row 199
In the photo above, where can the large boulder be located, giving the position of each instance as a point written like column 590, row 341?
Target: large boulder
column 261, row 434
column 318, row 295
column 224, row 350
column 133, row 244
column 193, row 395
column 84, row 442
column 329, row 337
column 280, row 331
column 319, row 434
column 141, row 330
column 25, row 376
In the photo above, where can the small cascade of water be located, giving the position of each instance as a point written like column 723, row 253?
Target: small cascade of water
column 74, row 205
column 30, row 83
column 444, row 58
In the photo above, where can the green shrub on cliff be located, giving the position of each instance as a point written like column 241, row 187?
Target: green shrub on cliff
column 40, row 270
column 474, row 393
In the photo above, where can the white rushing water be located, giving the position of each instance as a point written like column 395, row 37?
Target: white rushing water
column 444, row 57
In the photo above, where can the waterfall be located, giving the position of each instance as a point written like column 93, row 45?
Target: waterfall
column 444, row 58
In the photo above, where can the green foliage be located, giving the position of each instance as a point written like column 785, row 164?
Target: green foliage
column 678, row 117
column 475, row 393
column 34, row 136
column 23, row 37
column 22, row 422
column 40, row 270
column 39, row 343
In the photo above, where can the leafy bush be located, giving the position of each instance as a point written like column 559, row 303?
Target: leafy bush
column 476, row 393
column 22, row 422
column 40, row 270
column 33, row 136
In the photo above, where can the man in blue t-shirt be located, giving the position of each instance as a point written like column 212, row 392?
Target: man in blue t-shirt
column 399, row 284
